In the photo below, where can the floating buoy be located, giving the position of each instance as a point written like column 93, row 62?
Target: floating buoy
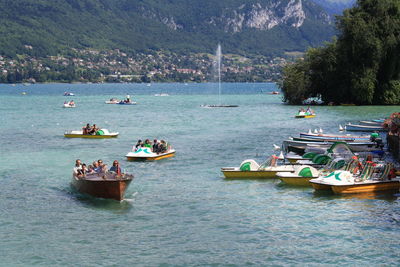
column 309, row 131
column 341, row 128
column 316, row 131
column 320, row 130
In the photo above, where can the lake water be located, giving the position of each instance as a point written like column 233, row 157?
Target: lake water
column 179, row 211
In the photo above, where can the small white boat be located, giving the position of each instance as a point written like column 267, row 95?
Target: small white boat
column 68, row 94
column 364, row 128
column 68, row 105
column 126, row 103
column 145, row 153
column 162, row 94
column 113, row 101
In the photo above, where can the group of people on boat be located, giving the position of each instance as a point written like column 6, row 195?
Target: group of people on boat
column 97, row 167
column 308, row 111
column 157, row 146
column 69, row 103
column 90, row 130
column 127, row 100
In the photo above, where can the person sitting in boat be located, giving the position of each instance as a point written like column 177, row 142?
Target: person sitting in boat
column 309, row 110
column 82, row 172
column 115, row 168
column 155, row 146
column 96, row 167
column 78, row 166
column 86, row 129
column 102, row 167
column 91, row 169
column 138, row 144
column 93, row 130
column 162, row 147
column 71, row 103
column 147, row 143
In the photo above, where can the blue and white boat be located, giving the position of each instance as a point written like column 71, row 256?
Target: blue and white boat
column 336, row 137
column 364, row 128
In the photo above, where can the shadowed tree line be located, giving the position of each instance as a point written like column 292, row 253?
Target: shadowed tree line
column 361, row 66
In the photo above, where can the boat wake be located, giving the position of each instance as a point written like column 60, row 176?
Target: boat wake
column 132, row 199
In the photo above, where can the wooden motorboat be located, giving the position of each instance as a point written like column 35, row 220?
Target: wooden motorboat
column 103, row 185
column 249, row 169
column 100, row 134
column 145, row 153
column 334, row 137
column 364, row 128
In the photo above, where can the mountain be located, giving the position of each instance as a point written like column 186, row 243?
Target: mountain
column 335, row 7
column 265, row 27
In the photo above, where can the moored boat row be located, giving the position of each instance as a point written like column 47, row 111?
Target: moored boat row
column 344, row 164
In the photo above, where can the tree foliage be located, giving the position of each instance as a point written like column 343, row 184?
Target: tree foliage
column 362, row 66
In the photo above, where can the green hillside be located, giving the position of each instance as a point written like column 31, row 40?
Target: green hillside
column 182, row 26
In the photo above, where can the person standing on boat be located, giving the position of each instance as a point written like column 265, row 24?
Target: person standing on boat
column 128, row 98
column 116, row 168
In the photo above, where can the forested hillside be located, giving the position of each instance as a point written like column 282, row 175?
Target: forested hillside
column 267, row 27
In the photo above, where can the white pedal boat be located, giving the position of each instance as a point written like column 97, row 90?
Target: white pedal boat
column 145, row 153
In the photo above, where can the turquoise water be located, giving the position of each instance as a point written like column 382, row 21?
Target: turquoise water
column 178, row 211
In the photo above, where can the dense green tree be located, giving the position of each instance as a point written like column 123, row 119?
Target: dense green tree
column 362, row 66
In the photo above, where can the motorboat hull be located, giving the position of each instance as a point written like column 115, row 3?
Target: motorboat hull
column 366, row 187
column 102, row 188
